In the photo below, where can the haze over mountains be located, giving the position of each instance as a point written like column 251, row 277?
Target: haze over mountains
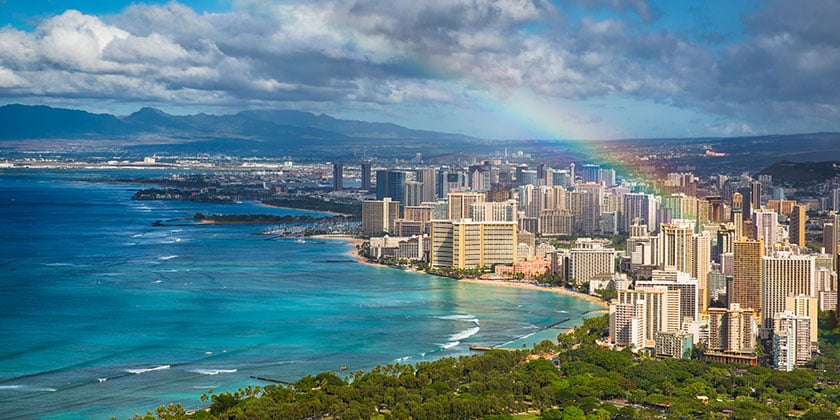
column 307, row 135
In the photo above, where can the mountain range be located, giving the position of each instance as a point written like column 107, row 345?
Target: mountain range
column 267, row 132
column 305, row 135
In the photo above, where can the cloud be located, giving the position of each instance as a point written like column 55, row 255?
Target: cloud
column 642, row 8
column 372, row 54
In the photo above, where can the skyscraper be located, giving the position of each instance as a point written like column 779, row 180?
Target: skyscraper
column 429, row 188
column 459, row 203
column 738, row 214
column 338, row 177
column 585, row 204
column 797, row 225
column 783, row 275
column 745, row 287
column 591, row 174
column 366, row 177
column 638, row 206
column 766, row 222
column 755, row 196
column 469, row 244
column 391, row 183
column 378, row 216
column 680, row 249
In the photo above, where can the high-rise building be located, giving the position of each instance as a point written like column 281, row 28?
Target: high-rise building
column 676, row 280
column 561, row 178
column 725, row 240
column 607, row 177
column 715, row 204
column 829, row 238
column 627, row 324
column 427, row 177
column 766, row 223
column 806, row 306
column 797, row 226
column 662, row 309
column 469, row 244
column 391, row 183
column 586, row 262
column 493, row 211
column 784, row 274
column 792, row 340
column 572, row 173
column 638, row 206
column 745, row 287
column 678, row 206
column 591, row 174
column 378, row 216
column 825, row 280
column 442, row 184
column 755, row 196
column 585, row 204
column 834, row 199
column 460, row 201
column 338, row 177
column 366, row 177
column 413, row 193
column 528, row 177
column 732, row 330
column 556, row 222
column 738, row 214
column 678, row 248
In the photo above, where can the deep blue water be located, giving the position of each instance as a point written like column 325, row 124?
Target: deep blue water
column 102, row 314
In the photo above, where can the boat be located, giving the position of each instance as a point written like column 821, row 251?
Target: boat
column 300, row 241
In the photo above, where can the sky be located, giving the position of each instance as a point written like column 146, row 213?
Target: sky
column 497, row 69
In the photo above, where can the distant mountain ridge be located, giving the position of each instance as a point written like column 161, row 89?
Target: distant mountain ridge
column 24, row 122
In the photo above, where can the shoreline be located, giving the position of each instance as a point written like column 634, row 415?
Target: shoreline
column 354, row 243
column 532, row 286
column 353, row 252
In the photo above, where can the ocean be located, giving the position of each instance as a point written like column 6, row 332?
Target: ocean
column 103, row 314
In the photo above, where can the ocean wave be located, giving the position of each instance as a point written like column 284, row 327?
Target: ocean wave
column 450, row 344
column 460, row 317
column 26, row 388
column 212, row 371
column 469, row 332
column 168, row 257
column 141, row 371
column 62, row 264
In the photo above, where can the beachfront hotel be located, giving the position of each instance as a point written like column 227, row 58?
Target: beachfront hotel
column 467, row 243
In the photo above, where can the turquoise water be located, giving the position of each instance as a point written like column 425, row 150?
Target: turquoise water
column 102, row 314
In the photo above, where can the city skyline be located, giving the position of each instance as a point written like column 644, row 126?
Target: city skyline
column 565, row 69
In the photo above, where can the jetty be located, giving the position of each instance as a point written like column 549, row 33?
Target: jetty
column 276, row 381
column 475, row 347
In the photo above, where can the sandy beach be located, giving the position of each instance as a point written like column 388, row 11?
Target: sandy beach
column 531, row 286
column 353, row 252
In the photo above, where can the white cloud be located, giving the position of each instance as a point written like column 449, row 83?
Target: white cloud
column 374, row 53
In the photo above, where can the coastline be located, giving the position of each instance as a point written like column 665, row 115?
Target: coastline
column 353, row 252
column 531, row 286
